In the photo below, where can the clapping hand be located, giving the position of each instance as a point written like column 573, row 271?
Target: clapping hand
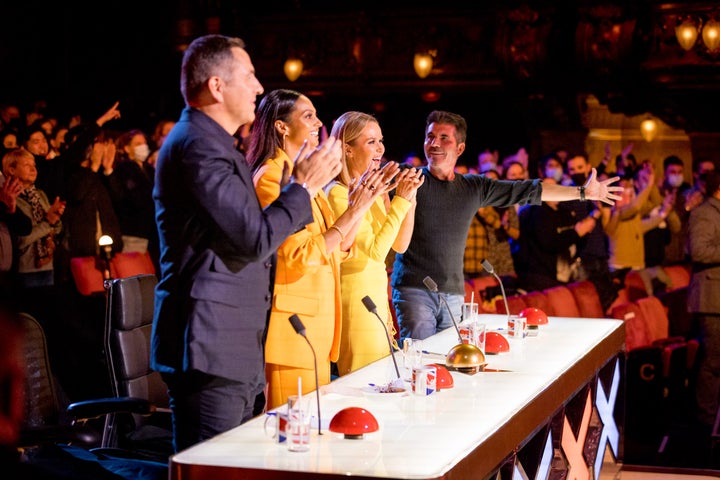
column 55, row 211
column 9, row 192
column 409, row 180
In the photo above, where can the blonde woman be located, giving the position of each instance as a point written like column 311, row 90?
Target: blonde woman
column 387, row 224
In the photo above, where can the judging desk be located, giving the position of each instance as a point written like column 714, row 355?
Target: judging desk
column 516, row 415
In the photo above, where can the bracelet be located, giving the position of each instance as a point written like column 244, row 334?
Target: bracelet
column 335, row 227
column 582, row 193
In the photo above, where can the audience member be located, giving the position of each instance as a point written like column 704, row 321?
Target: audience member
column 162, row 129
column 592, row 249
column 13, row 223
column 35, row 250
column 446, row 204
column 307, row 277
column 387, row 224
column 548, row 244
column 703, row 299
column 696, row 194
column 626, row 226
column 130, row 186
column 217, row 244
column 675, row 187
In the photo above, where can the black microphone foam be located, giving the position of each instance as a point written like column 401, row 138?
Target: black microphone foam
column 490, row 269
column 297, row 324
column 369, row 304
column 432, row 286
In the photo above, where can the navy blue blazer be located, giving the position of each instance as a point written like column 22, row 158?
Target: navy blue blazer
column 217, row 252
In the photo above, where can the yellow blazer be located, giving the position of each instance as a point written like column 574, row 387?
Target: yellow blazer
column 307, row 281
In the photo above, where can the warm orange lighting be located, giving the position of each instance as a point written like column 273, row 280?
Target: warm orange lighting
column 423, row 63
column 711, row 35
column 648, row 129
column 687, row 33
column 293, row 68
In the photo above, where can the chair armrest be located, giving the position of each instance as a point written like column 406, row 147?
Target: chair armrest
column 98, row 407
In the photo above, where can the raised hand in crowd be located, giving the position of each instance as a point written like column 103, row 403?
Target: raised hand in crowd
column 55, row 212
column 9, row 192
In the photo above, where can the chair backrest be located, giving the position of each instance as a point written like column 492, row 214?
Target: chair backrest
column 42, row 406
column 129, row 324
column 656, row 318
column 679, row 275
column 562, row 301
column 635, row 285
column 587, row 299
column 538, row 299
column 88, row 276
column 515, row 304
column 636, row 330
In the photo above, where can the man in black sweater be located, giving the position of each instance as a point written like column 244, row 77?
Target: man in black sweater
column 446, row 204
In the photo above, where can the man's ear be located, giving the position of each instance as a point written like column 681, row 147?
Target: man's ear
column 460, row 148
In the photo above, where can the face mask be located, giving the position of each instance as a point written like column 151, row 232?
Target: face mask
column 554, row 173
column 578, row 178
column 675, row 180
column 141, row 152
column 484, row 167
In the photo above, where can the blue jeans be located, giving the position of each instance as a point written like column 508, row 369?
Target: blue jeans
column 421, row 313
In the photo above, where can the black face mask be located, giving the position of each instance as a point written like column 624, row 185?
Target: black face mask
column 578, row 178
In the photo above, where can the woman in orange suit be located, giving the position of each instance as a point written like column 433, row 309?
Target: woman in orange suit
column 307, row 276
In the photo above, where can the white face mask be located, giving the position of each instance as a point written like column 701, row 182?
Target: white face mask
column 141, row 152
column 554, row 173
column 675, row 180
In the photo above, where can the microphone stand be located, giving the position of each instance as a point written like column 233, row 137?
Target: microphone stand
column 491, row 270
column 432, row 286
column 300, row 330
column 372, row 308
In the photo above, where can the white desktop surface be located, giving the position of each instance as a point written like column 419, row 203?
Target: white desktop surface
column 423, row 437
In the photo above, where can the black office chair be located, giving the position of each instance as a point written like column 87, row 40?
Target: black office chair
column 128, row 324
column 56, row 442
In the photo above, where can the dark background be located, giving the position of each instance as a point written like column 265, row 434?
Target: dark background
column 518, row 71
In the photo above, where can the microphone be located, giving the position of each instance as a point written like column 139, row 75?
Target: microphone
column 491, row 270
column 300, row 330
column 432, row 286
column 372, row 308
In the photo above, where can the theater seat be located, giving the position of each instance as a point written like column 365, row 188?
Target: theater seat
column 539, row 300
column 655, row 317
column 562, row 301
column 636, row 331
column 679, row 275
column 587, row 299
column 515, row 304
column 635, row 285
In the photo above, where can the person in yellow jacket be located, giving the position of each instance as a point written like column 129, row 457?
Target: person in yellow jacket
column 307, row 276
column 387, row 224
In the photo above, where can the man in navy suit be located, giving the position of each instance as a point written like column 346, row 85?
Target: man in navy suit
column 217, row 244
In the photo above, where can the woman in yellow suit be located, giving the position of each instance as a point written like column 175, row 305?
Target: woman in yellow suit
column 307, row 277
column 387, row 224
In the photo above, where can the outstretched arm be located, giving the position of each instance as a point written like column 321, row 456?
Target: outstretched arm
column 593, row 189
